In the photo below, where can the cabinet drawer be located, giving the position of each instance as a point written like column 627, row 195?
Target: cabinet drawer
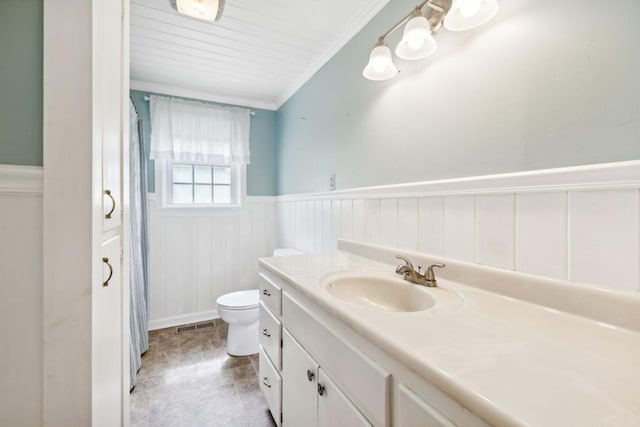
column 270, row 294
column 271, row 385
column 270, row 335
column 364, row 382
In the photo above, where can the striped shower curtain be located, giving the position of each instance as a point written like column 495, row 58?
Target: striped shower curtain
column 139, row 273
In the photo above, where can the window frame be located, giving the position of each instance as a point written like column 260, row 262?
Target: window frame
column 165, row 178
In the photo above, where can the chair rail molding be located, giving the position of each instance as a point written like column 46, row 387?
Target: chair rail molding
column 604, row 176
column 21, row 180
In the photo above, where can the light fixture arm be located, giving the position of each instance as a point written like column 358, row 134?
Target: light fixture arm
column 439, row 11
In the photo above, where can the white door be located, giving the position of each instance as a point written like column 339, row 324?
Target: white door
column 108, row 318
column 107, row 344
column 299, row 384
column 334, row 408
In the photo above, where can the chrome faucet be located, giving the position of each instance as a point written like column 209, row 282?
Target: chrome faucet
column 411, row 275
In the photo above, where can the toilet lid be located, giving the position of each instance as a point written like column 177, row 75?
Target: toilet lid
column 239, row 300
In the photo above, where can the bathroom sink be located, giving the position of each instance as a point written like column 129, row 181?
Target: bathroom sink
column 381, row 291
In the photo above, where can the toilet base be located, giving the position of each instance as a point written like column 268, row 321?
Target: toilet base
column 242, row 340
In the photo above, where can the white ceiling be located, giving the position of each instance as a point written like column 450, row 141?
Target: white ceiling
column 258, row 54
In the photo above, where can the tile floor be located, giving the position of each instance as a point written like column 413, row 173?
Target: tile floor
column 188, row 380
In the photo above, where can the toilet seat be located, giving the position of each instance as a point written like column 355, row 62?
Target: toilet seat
column 241, row 300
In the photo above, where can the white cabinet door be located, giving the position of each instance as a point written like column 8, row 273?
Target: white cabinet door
column 334, row 408
column 110, row 87
column 107, row 342
column 299, row 384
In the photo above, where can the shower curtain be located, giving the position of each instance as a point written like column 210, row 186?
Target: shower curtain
column 139, row 274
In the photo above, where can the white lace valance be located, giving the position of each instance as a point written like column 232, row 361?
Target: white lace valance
column 196, row 132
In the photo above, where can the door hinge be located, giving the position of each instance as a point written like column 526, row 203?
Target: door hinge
column 281, row 343
column 281, row 418
column 122, row 9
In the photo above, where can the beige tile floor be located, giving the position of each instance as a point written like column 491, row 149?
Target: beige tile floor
column 188, row 380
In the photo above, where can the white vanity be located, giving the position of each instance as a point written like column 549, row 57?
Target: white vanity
column 346, row 342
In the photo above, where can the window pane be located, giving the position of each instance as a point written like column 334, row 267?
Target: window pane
column 222, row 174
column 221, row 194
column 182, row 173
column 202, row 174
column 182, row 194
column 202, row 193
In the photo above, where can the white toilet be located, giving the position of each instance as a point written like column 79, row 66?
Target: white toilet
column 240, row 311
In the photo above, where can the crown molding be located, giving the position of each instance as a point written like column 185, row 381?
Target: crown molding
column 201, row 95
column 351, row 30
column 21, row 180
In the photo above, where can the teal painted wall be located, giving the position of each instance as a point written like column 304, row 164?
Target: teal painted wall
column 545, row 84
column 261, row 173
column 21, row 82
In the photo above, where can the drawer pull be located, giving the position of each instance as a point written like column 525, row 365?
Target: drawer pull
column 106, row 261
column 265, row 332
column 265, row 382
column 310, row 375
column 320, row 389
column 266, row 292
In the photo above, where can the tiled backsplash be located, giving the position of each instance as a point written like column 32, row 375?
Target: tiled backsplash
column 581, row 224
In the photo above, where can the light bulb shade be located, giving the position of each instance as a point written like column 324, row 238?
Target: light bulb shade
column 467, row 14
column 417, row 41
column 207, row 10
column 380, row 66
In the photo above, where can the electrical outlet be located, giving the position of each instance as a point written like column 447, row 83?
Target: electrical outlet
column 332, row 181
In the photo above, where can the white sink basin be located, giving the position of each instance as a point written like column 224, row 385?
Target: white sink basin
column 381, row 291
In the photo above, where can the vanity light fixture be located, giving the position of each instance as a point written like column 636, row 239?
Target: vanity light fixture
column 207, row 10
column 424, row 22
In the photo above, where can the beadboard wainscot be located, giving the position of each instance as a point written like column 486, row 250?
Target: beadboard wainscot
column 21, row 295
column 199, row 254
column 580, row 224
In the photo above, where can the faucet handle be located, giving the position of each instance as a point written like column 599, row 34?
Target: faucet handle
column 406, row 261
column 429, row 273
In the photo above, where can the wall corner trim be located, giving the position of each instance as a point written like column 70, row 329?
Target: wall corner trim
column 21, row 180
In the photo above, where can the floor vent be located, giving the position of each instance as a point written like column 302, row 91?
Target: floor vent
column 205, row 325
column 187, row 328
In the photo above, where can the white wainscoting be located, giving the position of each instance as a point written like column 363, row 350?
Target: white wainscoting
column 197, row 255
column 21, row 295
column 580, row 224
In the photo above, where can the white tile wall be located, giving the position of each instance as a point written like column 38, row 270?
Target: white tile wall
column 459, row 227
column 408, row 223
column 603, row 238
column 389, row 222
column 571, row 232
column 541, row 234
column 431, row 225
column 193, row 259
column 495, row 237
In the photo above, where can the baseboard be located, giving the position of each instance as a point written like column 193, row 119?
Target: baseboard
column 183, row 319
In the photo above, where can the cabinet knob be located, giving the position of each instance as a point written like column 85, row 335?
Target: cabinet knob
column 113, row 204
column 265, row 381
column 266, row 292
column 310, row 375
column 320, row 389
column 106, row 261
column 265, row 332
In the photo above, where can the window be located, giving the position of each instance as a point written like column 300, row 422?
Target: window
column 201, row 184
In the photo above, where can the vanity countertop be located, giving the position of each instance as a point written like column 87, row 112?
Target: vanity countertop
column 511, row 362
